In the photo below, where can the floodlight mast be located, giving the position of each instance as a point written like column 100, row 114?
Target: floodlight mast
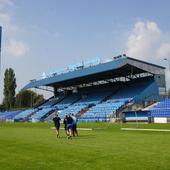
column 168, row 62
column 169, row 70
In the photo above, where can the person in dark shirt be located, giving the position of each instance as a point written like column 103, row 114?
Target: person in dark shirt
column 56, row 121
column 69, row 126
column 65, row 124
column 74, row 125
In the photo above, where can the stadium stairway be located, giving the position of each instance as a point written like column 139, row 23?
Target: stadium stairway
column 78, row 115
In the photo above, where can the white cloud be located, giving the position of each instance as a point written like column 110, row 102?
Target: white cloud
column 145, row 41
column 6, row 13
column 16, row 48
column 10, row 31
column 4, row 3
column 6, row 23
column 5, row 18
column 163, row 51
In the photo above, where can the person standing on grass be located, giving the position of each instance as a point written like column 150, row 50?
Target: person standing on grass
column 74, row 123
column 65, row 124
column 69, row 126
column 56, row 121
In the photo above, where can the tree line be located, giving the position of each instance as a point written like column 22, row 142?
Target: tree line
column 23, row 99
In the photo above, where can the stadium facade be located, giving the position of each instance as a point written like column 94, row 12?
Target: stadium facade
column 97, row 91
column 121, row 70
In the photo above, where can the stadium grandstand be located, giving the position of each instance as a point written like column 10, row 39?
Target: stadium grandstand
column 97, row 91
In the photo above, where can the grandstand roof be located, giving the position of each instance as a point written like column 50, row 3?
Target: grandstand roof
column 120, row 66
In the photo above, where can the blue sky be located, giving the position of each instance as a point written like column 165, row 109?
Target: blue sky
column 44, row 35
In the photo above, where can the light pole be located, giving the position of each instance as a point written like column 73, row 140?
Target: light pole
column 169, row 70
column 168, row 62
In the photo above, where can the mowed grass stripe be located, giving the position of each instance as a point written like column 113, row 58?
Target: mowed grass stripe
column 34, row 146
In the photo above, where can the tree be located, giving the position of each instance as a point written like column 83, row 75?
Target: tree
column 37, row 99
column 9, row 88
column 168, row 93
column 28, row 98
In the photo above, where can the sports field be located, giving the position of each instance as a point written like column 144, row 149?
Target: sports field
column 34, row 146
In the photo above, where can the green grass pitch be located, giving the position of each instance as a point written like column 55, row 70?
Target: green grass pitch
column 34, row 146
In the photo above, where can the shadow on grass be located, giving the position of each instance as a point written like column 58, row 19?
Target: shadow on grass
column 83, row 136
column 79, row 137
